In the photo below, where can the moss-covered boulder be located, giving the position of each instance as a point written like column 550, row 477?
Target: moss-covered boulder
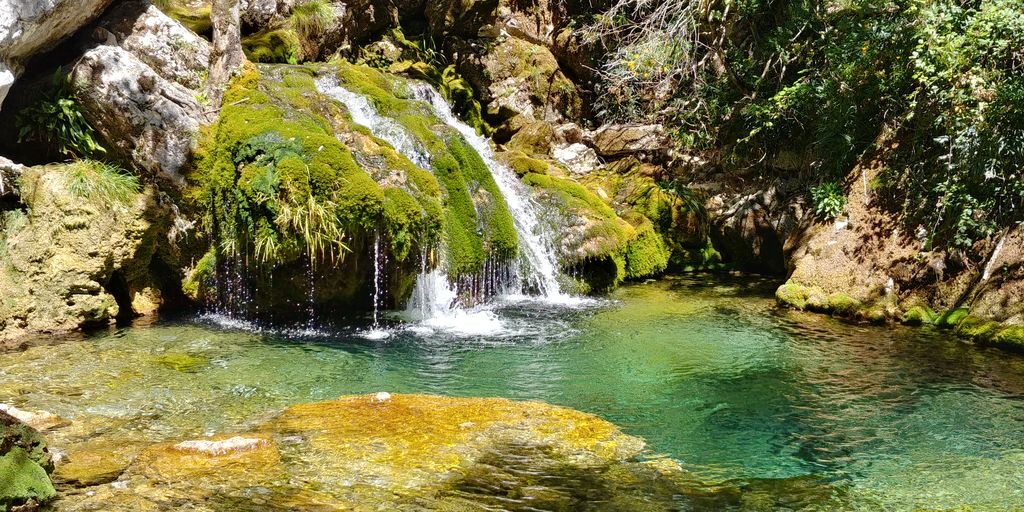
column 294, row 188
column 24, row 465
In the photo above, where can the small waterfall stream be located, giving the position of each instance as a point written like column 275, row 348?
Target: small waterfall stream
column 434, row 302
column 536, row 245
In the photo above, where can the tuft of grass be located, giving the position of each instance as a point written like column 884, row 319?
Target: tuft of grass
column 311, row 19
column 101, row 182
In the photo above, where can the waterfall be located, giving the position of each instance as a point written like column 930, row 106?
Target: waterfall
column 536, row 246
column 363, row 113
column 434, row 302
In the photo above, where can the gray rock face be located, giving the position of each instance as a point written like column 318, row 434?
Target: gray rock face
column 28, row 27
column 622, row 139
column 9, row 173
column 151, row 120
column 167, row 47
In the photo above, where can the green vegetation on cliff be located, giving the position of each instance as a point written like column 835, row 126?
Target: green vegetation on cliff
column 277, row 184
column 477, row 223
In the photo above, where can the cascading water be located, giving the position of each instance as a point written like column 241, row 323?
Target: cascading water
column 363, row 113
column 434, row 303
column 536, row 245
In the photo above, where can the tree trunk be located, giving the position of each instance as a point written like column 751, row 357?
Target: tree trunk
column 226, row 55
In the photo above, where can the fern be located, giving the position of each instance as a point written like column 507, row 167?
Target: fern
column 57, row 119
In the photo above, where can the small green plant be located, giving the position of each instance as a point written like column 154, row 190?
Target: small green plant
column 312, row 18
column 105, row 183
column 828, row 198
column 57, row 119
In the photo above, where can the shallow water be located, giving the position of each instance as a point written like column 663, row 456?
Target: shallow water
column 707, row 370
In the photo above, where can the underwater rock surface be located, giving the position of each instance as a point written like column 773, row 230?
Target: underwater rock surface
column 409, row 452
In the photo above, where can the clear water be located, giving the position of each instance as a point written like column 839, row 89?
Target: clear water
column 707, row 370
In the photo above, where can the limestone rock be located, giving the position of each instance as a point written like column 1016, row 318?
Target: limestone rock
column 39, row 420
column 152, row 121
column 516, row 77
column 66, row 254
column 30, row 27
column 578, row 158
column 9, row 173
column 172, row 51
column 616, row 140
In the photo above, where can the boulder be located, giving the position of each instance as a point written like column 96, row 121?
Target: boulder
column 148, row 119
column 617, row 140
column 172, row 51
column 751, row 230
column 514, row 77
column 578, row 158
column 25, row 464
column 9, row 173
column 28, row 28
column 70, row 255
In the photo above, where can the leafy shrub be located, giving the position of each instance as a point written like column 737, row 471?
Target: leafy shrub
column 828, row 199
column 57, row 119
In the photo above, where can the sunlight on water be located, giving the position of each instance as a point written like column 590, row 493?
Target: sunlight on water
column 708, row 371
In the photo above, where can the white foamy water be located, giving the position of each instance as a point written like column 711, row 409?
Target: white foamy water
column 434, row 307
column 366, row 114
column 535, row 245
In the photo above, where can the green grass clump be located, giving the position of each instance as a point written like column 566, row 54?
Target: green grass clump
column 101, row 182
column 310, row 19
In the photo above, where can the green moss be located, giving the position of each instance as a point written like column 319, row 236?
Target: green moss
column 844, row 305
column 274, row 180
column 977, row 329
column 477, row 224
column 279, row 46
column 646, row 254
column 23, row 479
column 919, row 315
column 201, row 278
column 952, row 318
column 523, row 165
column 196, row 19
column 690, row 259
column 1010, row 337
column 792, row 294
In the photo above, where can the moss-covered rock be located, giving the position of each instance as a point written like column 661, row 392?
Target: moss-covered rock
column 919, row 315
column 85, row 240
column 1011, row 338
column 24, row 465
column 478, row 225
column 275, row 45
column 793, row 295
column 952, row 318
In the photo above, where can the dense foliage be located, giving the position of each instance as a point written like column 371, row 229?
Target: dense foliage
column 935, row 87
